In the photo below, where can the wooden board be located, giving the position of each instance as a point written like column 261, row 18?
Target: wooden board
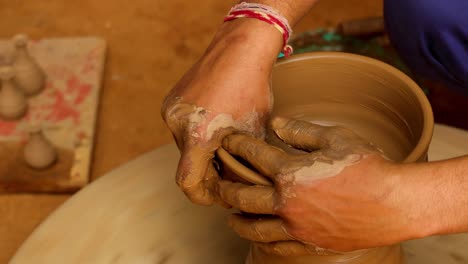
column 67, row 111
column 137, row 214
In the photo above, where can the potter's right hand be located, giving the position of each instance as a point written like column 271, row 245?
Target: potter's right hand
column 226, row 90
column 339, row 195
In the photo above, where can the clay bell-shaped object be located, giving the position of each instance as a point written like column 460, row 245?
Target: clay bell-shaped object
column 13, row 104
column 39, row 153
column 30, row 78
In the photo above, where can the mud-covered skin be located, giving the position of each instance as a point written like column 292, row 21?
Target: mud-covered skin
column 198, row 133
column 339, row 197
column 231, row 79
column 227, row 90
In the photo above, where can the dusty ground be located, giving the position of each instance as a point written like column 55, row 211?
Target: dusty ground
column 151, row 44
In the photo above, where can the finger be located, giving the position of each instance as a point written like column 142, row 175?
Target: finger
column 193, row 176
column 251, row 199
column 292, row 249
column 265, row 158
column 300, row 134
column 211, row 185
column 263, row 230
column 241, row 171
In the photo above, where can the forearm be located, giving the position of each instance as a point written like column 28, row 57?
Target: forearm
column 257, row 37
column 249, row 41
column 436, row 196
column 244, row 48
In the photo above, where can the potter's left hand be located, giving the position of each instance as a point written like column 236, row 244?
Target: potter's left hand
column 340, row 196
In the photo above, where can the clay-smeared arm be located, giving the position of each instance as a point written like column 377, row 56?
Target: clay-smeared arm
column 343, row 195
column 226, row 90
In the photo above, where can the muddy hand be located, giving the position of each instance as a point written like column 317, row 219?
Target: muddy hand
column 227, row 90
column 198, row 133
column 339, row 196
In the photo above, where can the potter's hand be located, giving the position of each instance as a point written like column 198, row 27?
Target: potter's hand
column 339, row 196
column 226, row 90
column 227, row 87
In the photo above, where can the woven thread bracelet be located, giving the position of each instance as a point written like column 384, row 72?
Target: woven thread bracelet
column 266, row 14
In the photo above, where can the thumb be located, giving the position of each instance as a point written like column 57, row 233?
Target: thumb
column 193, row 176
column 300, row 134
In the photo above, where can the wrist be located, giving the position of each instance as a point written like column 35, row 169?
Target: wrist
column 415, row 198
column 244, row 46
column 409, row 220
column 237, row 66
column 253, row 37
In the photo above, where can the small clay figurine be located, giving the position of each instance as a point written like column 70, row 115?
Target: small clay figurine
column 13, row 104
column 30, row 78
column 39, row 153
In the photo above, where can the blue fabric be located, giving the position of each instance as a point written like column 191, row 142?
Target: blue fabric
column 432, row 38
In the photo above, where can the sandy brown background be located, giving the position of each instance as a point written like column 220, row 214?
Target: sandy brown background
column 151, row 44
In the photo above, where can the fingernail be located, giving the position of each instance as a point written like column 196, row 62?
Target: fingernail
column 279, row 122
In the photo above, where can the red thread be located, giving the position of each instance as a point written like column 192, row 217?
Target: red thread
column 265, row 14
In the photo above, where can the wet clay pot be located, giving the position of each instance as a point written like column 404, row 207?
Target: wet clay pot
column 377, row 101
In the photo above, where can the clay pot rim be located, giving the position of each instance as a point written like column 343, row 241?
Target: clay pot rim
column 418, row 151
column 428, row 119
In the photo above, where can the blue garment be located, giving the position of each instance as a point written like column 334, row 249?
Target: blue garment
column 432, row 38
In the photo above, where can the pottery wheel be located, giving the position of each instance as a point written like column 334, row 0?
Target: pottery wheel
column 137, row 214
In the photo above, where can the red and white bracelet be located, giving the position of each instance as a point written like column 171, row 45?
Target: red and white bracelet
column 266, row 14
